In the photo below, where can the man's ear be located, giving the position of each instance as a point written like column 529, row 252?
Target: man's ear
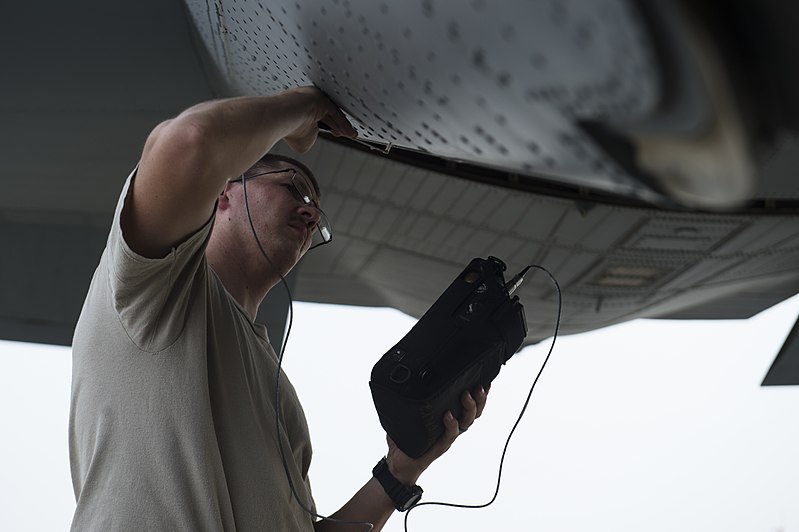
column 223, row 201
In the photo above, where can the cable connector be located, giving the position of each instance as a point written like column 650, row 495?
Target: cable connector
column 517, row 280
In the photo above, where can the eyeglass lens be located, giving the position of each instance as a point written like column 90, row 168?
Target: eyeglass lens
column 324, row 233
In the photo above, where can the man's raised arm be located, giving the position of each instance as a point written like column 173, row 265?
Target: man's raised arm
column 186, row 160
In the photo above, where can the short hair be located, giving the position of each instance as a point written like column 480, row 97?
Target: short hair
column 269, row 160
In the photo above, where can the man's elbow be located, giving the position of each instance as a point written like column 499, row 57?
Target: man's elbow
column 182, row 144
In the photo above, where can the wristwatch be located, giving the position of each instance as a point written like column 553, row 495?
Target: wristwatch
column 403, row 497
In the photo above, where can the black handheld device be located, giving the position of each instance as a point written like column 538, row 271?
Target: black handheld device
column 461, row 342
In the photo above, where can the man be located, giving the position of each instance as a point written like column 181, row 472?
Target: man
column 172, row 423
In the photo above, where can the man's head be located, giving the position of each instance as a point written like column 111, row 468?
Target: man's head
column 274, row 161
column 282, row 196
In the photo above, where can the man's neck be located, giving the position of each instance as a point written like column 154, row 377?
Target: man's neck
column 241, row 273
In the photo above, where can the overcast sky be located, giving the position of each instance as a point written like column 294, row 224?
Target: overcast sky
column 647, row 426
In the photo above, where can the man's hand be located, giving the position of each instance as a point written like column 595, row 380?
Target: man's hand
column 320, row 109
column 406, row 469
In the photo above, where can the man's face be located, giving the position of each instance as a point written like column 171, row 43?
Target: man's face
column 284, row 223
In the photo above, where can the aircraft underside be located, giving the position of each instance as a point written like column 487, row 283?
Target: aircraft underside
column 642, row 151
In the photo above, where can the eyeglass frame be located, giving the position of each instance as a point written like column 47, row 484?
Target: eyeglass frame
column 308, row 201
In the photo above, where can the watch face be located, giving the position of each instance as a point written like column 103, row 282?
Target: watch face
column 404, row 497
column 414, row 498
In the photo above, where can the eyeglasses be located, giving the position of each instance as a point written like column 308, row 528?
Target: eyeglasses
column 300, row 190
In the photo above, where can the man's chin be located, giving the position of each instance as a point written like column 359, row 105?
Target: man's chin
column 288, row 259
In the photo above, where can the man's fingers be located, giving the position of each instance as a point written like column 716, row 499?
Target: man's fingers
column 335, row 121
column 325, row 115
column 339, row 124
column 480, row 396
column 451, row 431
column 473, row 405
column 469, row 410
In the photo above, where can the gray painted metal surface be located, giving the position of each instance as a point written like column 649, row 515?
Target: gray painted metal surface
column 484, row 85
column 402, row 233
column 501, row 84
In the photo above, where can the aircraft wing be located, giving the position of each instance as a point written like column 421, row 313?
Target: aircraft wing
column 609, row 141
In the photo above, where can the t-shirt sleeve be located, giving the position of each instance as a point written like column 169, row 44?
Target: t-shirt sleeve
column 152, row 296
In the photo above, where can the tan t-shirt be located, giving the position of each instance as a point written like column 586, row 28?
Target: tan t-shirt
column 172, row 422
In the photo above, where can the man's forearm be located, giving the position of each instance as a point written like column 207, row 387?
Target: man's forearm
column 238, row 131
column 186, row 160
column 370, row 504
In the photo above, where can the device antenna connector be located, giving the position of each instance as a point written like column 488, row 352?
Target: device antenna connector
column 512, row 285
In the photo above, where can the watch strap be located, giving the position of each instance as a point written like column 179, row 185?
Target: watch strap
column 402, row 495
